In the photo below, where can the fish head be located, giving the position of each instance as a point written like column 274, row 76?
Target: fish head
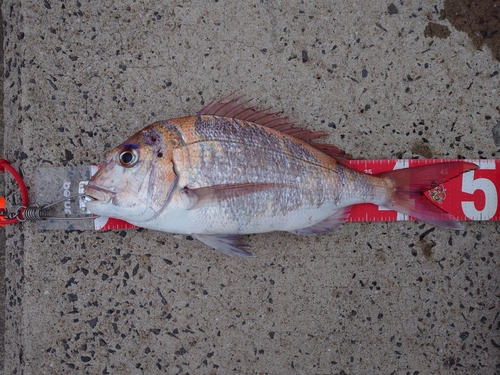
column 137, row 178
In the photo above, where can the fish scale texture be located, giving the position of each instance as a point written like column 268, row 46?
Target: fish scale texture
column 371, row 298
column 226, row 176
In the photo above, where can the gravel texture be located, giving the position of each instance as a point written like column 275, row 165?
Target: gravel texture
column 384, row 80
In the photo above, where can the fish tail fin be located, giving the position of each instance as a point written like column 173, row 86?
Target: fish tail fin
column 410, row 184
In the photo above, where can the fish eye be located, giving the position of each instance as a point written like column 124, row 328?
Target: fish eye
column 128, row 158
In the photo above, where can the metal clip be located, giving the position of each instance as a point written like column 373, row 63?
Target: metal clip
column 37, row 212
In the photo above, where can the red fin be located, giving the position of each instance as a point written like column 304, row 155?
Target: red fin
column 330, row 224
column 231, row 244
column 234, row 109
column 209, row 195
column 332, row 151
column 411, row 183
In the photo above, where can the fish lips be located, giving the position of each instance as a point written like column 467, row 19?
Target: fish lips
column 96, row 193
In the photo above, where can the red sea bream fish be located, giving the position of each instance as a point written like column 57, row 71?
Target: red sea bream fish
column 233, row 170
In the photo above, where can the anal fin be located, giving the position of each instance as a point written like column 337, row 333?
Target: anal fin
column 230, row 244
column 327, row 225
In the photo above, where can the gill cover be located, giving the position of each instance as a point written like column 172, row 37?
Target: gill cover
column 160, row 141
column 140, row 175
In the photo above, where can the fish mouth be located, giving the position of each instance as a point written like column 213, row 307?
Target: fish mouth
column 96, row 193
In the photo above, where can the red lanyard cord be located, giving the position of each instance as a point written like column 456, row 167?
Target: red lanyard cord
column 5, row 166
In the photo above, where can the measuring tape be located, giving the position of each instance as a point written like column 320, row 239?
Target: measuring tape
column 471, row 196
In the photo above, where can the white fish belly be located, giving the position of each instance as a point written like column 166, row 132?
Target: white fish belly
column 227, row 219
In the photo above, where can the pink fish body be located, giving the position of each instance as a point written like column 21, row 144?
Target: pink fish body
column 233, row 170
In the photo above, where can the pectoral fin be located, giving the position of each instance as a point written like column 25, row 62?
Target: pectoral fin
column 211, row 195
column 231, row 244
column 329, row 224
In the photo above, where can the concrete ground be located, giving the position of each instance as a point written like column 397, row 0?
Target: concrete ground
column 2, row 232
column 373, row 298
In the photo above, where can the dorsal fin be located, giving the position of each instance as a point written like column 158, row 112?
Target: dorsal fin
column 332, row 151
column 234, row 109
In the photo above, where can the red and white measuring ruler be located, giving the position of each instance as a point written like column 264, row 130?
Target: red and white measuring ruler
column 472, row 196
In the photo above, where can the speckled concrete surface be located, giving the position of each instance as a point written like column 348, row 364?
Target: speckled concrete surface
column 2, row 231
column 400, row 298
